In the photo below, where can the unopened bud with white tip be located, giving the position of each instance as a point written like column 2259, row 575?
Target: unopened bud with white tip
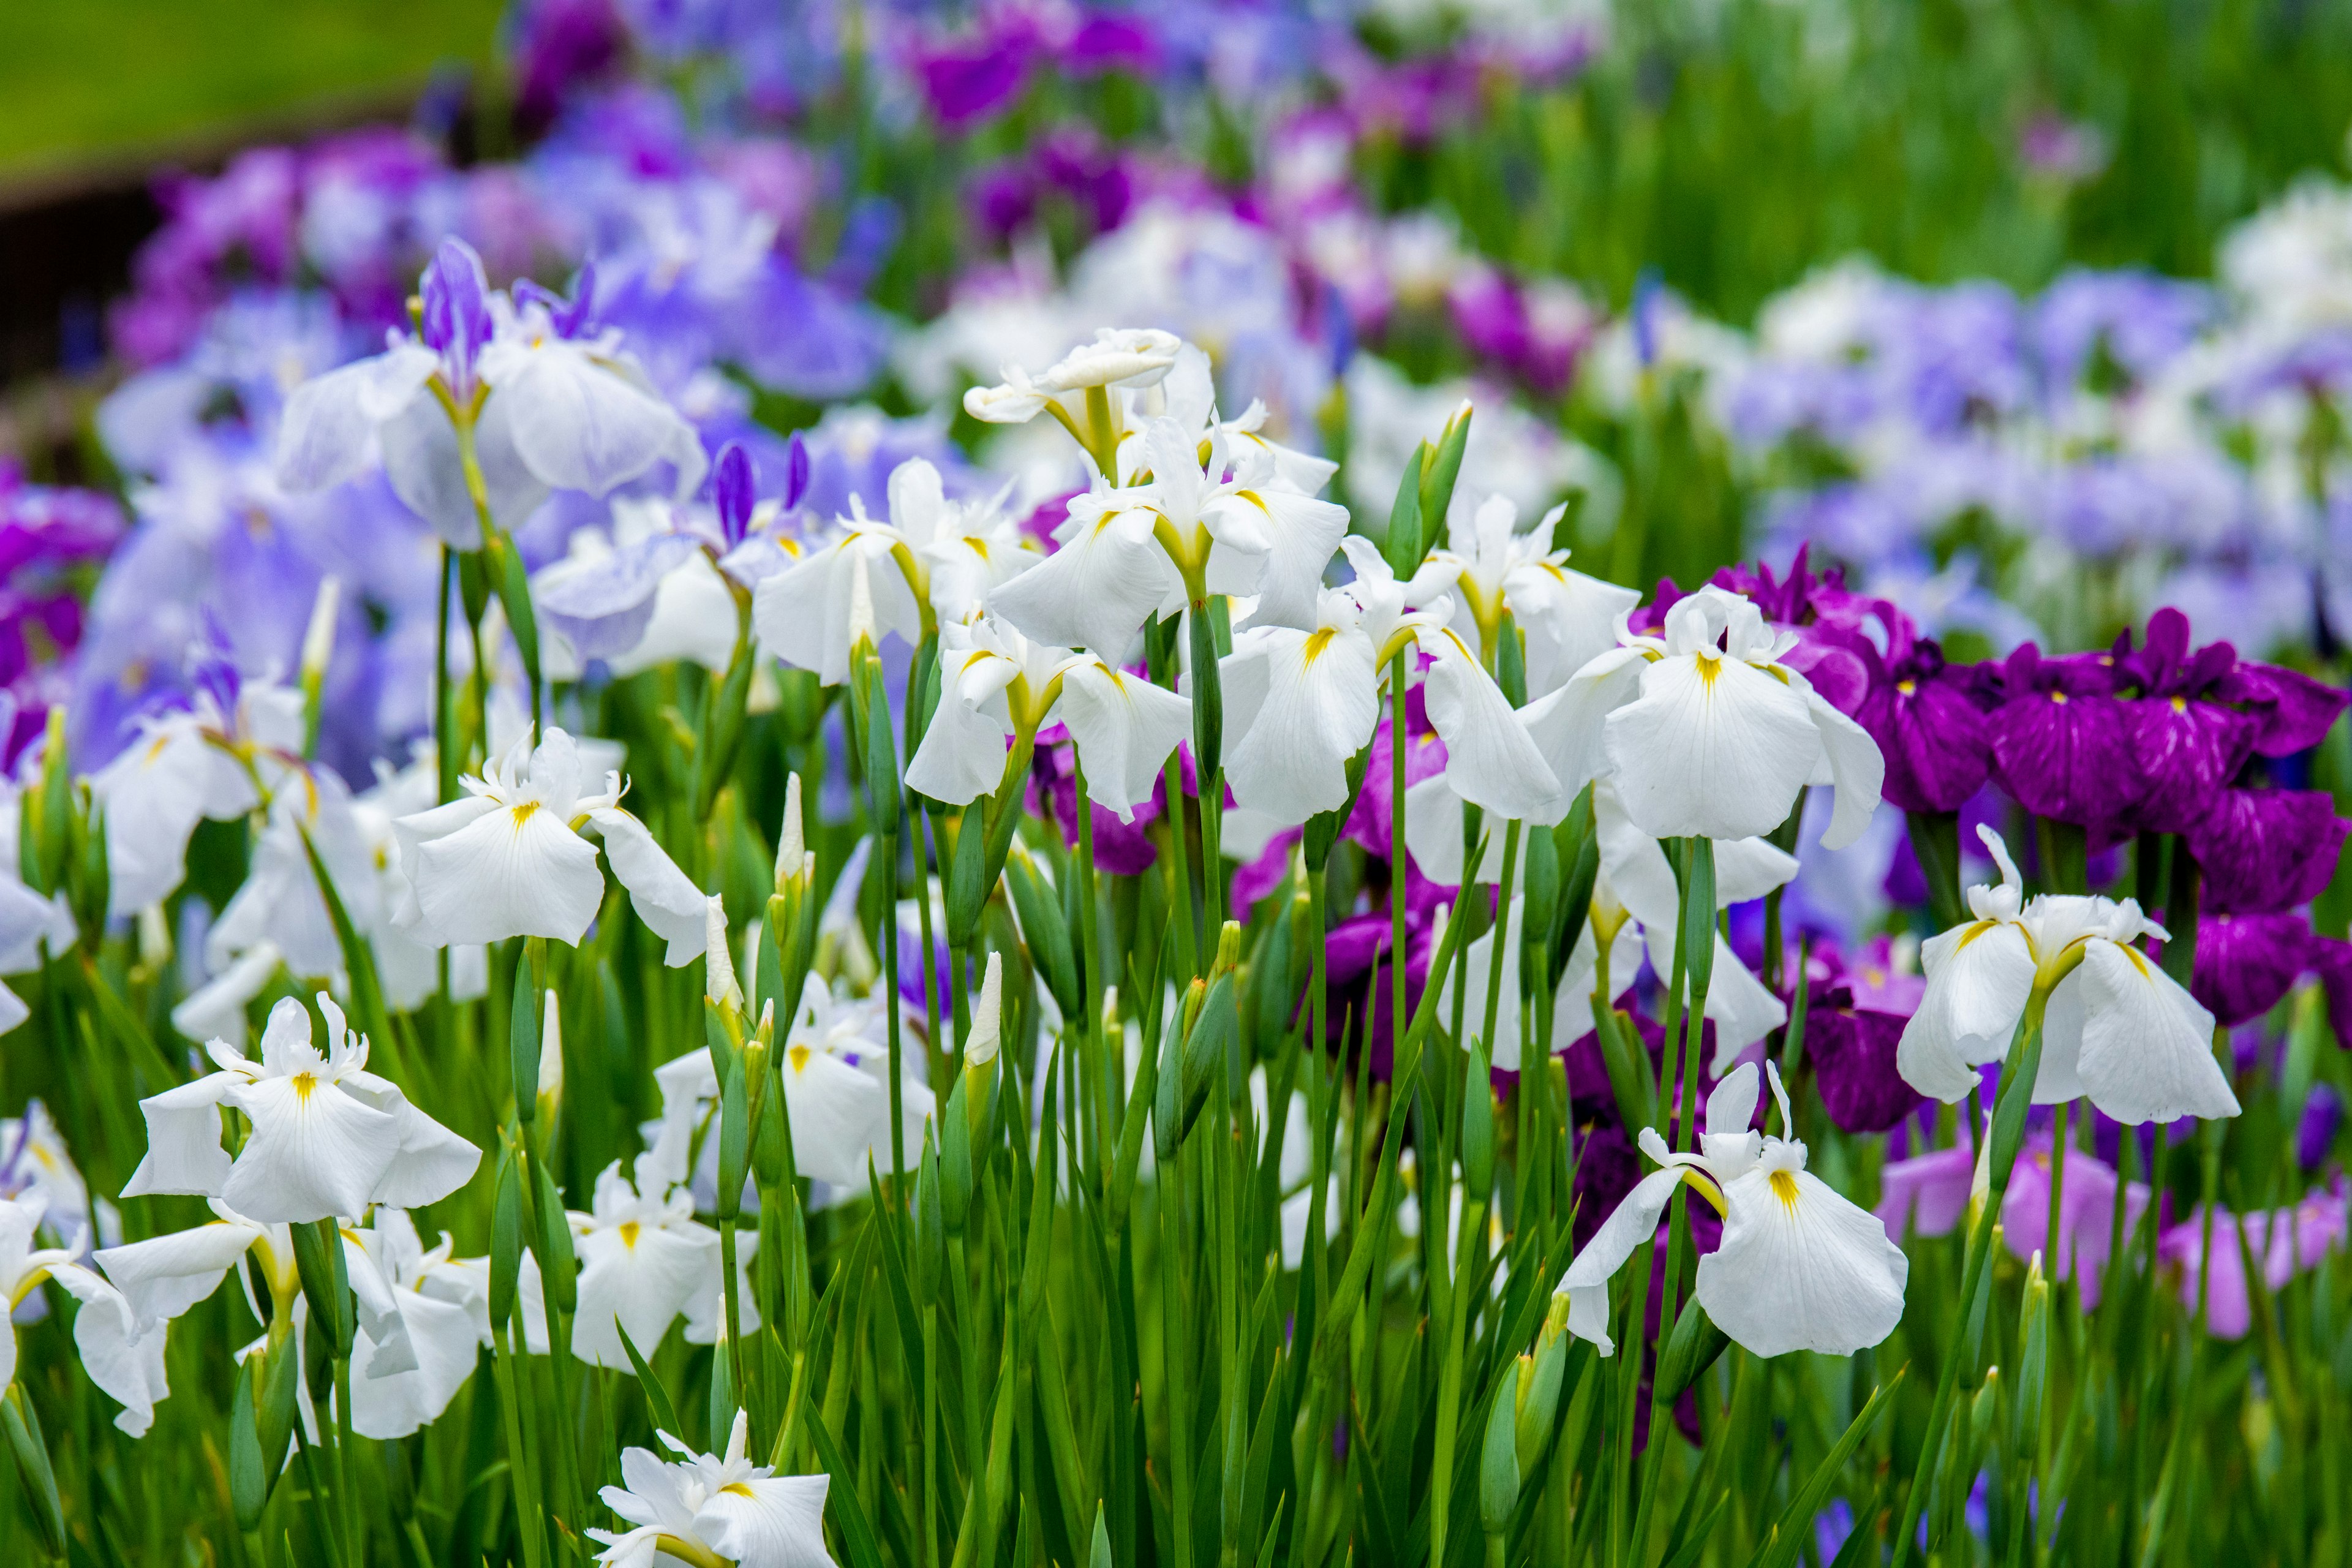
column 550, row 1059
column 718, row 967
column 319, row 637
column 794, row 862
column 981, row 1040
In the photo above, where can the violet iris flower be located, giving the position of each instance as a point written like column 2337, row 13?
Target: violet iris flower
column 2062, row 741
column 1854, row 1021
column 2263, row 850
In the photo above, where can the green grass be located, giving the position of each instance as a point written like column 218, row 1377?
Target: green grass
column 107, row 79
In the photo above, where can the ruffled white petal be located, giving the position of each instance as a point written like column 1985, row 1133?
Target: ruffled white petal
column 126, row 1363
column 1490, row 757
column 579, row 426
column 1301, row 704
column 1625, row 1231
column 1979, row 977
column 164, row 1275
column 1125, row 727
column 664, row 896
column 840, row 1115
column 1097, row 588
column 1800, row 1268
column 1856, row 768
column 961, row 756
column 2147, row 1045
column 774, row 1522
column 1569, row 724
column 325, row 433
column 1712, row 748
column 183, row 1139
column 315, row 1152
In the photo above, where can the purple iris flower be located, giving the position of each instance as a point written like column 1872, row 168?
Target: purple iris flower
column 2315, row 1130
column 2263, row 850
column 456, row 315
column 2291, row 712
column 1121, row 848
column 2245, row 964
column 2187, row 745
column 1854, row 1021
column 2062, row 742
column 571, row 318
column 2283, row 1243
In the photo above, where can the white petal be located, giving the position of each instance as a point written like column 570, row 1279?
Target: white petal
column 1490, row 756
column 316, row 1153
column 1572, row 1012
column 1309, row 704
column 1801, row 1268
column 1712, row 748
column 1432, row 829
column 1302, row 534
column 1741, row 1008
column 2147, row 1045
column 1568, row 725
column 167, row 1275
column 1571, row 620
column 961, row 756
column 421, row 459
column 183, row 1139
column 1748, row 869
column 431, row 1162
column 1979, row 977
column 1502, row 1050
column 444, row 1338
column 324, row 433
column 640, row 1281
column 123, row 1362
column 774, row 1522
column 665, row 898
column 839, row 1116
column 580, row 427
column 1625, row 1231
column 1125, row 727
column 509, row 871
column 1095, row 591
column 1856, row 768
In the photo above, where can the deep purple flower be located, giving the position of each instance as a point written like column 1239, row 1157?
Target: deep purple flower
column 2263, row 850
column 2061, row 739
column 2245, row 964
column 796, row 473
column 1836, row 651
column 2187, row 745
column 969, row 79
column 559, row 44
column 2291, row 712
column 1937, row 748
column 1854, row 1020
column 456, row 315
column 1113, row 40
column 1121, row 848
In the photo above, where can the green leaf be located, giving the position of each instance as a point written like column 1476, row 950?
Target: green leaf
column 558, row 1267
column 319, row 1259
column 1795, row 1526
column 506, row 1243
column 1694, row 1347
column 1404, row 545
column 32, row 1453
column 658, row 1403
column 857, row 1537
column 522, row 1041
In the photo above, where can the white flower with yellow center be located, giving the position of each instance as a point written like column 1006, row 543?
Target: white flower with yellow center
column 703, row 1509
column 2118, row 1029
column 329, row 1138
column 1799, row 1267
column 120, row 1358
column 508, row 860
column 1707, row 732
column 1569, row 618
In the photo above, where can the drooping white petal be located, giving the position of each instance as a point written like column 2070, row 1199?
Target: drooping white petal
column 1569, row 724
column 1979, row 977
column 1569, row 618
column 430, row 1162
column 961, row 756
column 315, row 1152
column 1628, row 1228
column 1302, row 533
column 801, row 613
column 1301, row 704
column 1799, row 1267
column 325, row 434
column 578, row 425
column 1855, row 766
column 183, row 1139
column 1712, row 748
column 1491, row 759
column 774, row 1521
column 1099, row 587
column 443, row 1342
column 2147, row 1045
column 126, row 1363
column 1584, row 973
column 482, row 872
column 840, row 1115
column 164, row 1275
column 664, row 896
column 1125, row 727
column 422, row 461
column 640, row 1277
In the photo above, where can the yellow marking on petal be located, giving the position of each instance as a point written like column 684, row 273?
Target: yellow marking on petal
column 1906, row 687
column 1974, row 932
column 1317, row 641
column 979, row 546
column 629, row 1229
column 1698, row 1182
column 798, row 1055
column 2180, row 705
column 2059, row 697
column 1709, row 665
column 1784, row 1187
column 156, row 750
column 740, row 1489
column 2139, row 960
column 522, row 813
column 305, row 1085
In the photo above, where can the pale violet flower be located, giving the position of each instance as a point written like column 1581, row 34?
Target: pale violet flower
column 995, row 683
column 649, row 594
column 729, row 1508
column 329, row 1138
column 508, row 860
column 553, row 404
column 1708, row 733
column 2118, row 1029
column 1799, row 1267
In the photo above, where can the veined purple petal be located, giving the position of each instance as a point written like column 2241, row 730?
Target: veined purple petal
column 731, row 491
column 2187, row 750
column 457, row 314
column 2291, row 712
column 2245, row 964
column 1853, row 1053
column 2061, row 744
column 2267, row 849
column 1934, row 740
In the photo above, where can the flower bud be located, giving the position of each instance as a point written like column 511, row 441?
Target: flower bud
column 319, row 637
column 794, row 862
column 982, row 1040
column 550, row 1063
column 718, row 967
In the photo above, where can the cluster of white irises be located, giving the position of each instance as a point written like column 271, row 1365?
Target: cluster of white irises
column 1704, row 733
